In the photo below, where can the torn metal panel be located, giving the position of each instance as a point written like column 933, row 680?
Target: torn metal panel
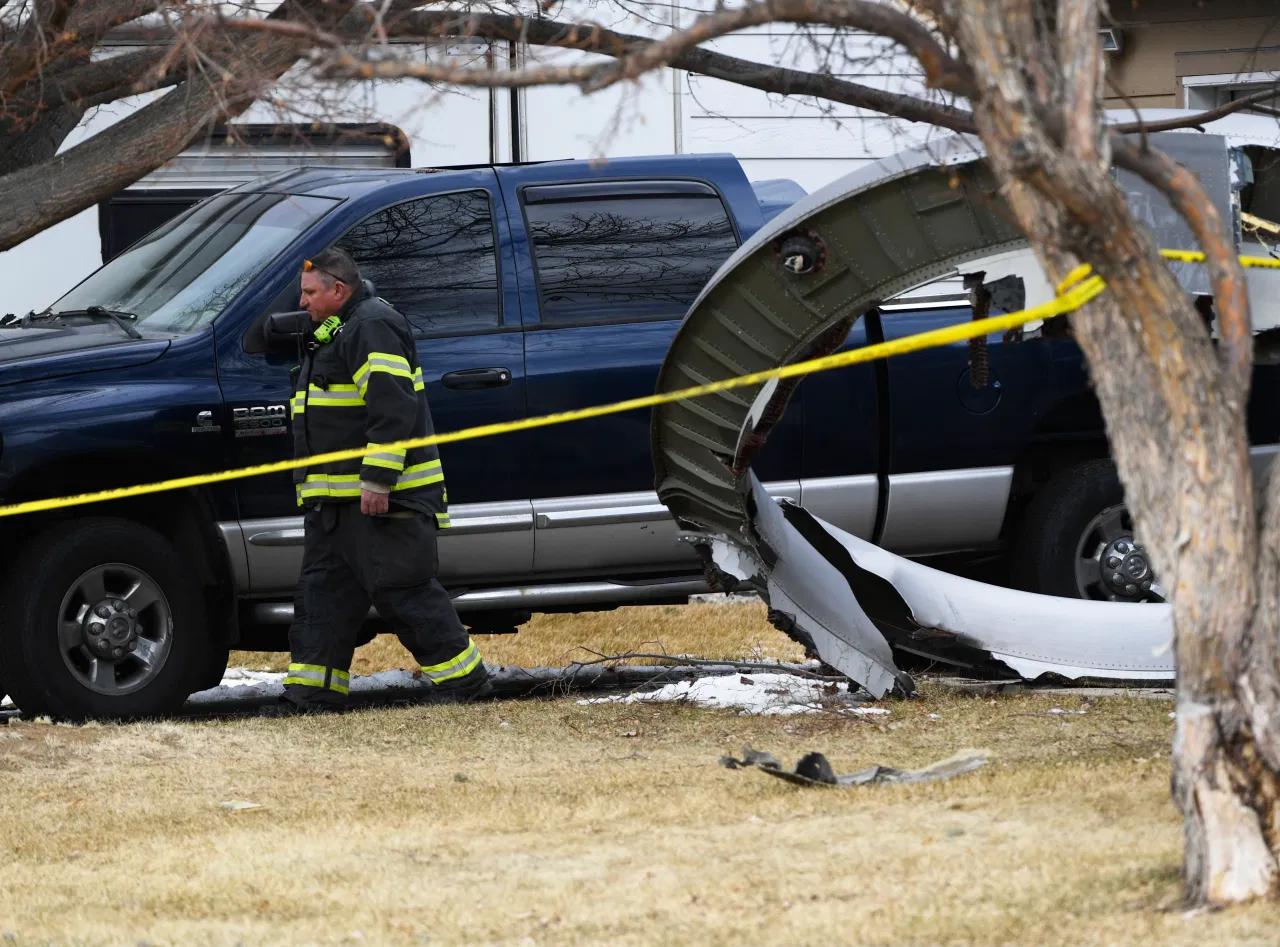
column 1210, row 157
column 809, row 595
column 952, row 618
column 814, row 769
column 848, row 598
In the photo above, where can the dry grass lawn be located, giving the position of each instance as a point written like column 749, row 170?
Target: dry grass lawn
column 552, row 822
column 712, row 630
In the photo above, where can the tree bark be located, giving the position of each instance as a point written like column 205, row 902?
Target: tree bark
column 1175, row 418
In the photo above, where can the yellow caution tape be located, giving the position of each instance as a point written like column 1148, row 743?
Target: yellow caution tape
column 1080, row 286
column 1196, row 256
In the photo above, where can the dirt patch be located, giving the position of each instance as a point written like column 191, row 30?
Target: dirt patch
column 38, row 744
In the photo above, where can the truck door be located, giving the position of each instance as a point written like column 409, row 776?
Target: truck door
column 444, row 261
column 842, row 439
column 615, row 265
column 955, row 438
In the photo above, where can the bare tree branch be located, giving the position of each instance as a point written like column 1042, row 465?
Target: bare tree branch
column 1200, row 118
column 30, row 58
column 1080, row 63
column 417, row 24
column 38, row 195
column 82, row 84
column 635, row 56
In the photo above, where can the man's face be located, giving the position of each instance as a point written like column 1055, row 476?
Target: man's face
column 322, row 300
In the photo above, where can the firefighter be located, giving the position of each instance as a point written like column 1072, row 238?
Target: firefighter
column 371, row 523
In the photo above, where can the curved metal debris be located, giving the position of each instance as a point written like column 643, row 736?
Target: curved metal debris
column 832, row 586
column 883, row 229
column 793, row 291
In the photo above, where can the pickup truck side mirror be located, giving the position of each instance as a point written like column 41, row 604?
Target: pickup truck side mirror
column 286, row 328
column 279, row 333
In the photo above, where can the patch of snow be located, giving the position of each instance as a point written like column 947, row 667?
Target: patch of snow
column 242, row 683
column 723, row 598
column 773, row 695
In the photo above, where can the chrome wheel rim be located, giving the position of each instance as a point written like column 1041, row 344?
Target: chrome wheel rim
column 115, row 629
column 1110, row 565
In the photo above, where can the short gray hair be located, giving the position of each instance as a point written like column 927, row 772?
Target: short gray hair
column 336, row 264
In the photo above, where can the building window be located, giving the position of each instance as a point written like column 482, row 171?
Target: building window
column 1206, row 92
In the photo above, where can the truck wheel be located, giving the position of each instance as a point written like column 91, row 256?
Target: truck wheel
column 1076, row 540
column 101, row 619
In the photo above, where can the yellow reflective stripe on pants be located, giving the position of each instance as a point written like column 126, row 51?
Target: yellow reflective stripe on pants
column 442, row 521
column 418, row 383
column 459, row 666
column 314, row 675
column 388, row 457
column 396, row 365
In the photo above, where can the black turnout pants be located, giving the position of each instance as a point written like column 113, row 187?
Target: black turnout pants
column 351, row 561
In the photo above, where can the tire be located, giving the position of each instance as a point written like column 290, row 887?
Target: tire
column 214, row 670
column 87, row 575
column 1076, row 520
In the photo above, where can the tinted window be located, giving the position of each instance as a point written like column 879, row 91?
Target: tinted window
column 433, row 259
column 180, row 277
column 127, row 217
column 618, row 257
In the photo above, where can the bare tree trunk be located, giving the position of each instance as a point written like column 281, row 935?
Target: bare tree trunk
column 1174, row 408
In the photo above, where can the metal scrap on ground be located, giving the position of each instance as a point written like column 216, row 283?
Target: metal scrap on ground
column 814, row 769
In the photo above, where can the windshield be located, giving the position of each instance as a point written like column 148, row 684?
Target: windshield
column 180, row 277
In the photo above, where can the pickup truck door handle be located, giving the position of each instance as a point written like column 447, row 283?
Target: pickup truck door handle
column 471, row 378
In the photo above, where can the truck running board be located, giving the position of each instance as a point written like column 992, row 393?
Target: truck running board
column 537, row 597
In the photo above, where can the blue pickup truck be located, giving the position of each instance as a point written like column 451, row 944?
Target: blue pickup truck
column 531, row 289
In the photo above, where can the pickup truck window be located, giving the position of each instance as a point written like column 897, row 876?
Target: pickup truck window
column 621, row 257
column 433, row 259
column 180, row 277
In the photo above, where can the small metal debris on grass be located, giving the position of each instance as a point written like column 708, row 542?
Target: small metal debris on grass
column 815, row 770
column 239, row 805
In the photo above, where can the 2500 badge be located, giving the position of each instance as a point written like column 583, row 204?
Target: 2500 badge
column 260, row 420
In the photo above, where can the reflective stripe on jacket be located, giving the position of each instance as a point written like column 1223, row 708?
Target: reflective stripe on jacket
column 365, row 389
